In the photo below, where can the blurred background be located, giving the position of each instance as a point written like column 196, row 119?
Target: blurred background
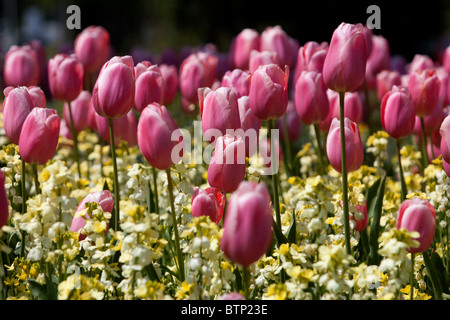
column 151, row 26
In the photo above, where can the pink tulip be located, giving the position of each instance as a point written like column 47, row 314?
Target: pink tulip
column 444, row 79
column 80, row 111
column 65, row 76
column 92, row 116
column 103, row 198
column 269, row 91
column 378, row 60
column 170, row 76
column 277, row 40
column 353, row 145
column 198, row 70
column 155, row 129
column 432, row 122
column 424, row 86
column 311, row 100
column 360, row 224
column 21, row 67
column 18, row 104
column 446, row 166
column 345, row 63
column 445, row 138
column 265, row 153
column 385, row 80
column 446, row 59
column 292, row 122
column 92, row 47
column 418, row 215
column 397, row 112
column 122, row 128
column 368, row 34
column 248, row 122
column 149, row 85
column 246, row 41
column 420, row 62
column 209, row 202
column 310, row 57
column 113, row 94
column 4, row 211
column 232, row 296
column 260, row 58
column 219, row 109
column 247, row 229
column 238, row 80
column 39, row 136
column 227, row 167
column 353, row 106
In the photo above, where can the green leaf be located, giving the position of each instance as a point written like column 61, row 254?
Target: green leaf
column 375, row 211
column 151, row 272
column 371, row 194
column 292, row 230
column 38, row 290
column 279, row 234
column 440, row 271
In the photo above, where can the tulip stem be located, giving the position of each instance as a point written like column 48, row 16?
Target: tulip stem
column 287, row 143
column 411, row 281
column 24, row 189
column 246, row 281
column 344, row 174
column 273, row 154
column 424, row 144
column 433, row 275
column 402, row 178
column 155, row 186
column 319, row 147
column 75, row 140
column 116, row 216
column 175, row 227
column 36, row 178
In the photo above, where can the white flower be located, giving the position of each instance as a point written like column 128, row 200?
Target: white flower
column 35, row 254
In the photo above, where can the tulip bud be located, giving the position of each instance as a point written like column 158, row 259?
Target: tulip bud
column 420, row 216
column 379, row 59
column 311, row 100
column 446, row 59
column 292, row 122
column 65, row 76
column 4, row 211
column 385, row 80
column 238, row 80
column 248, row 121
column 269, row 91
column 219, row 109
column 113, row 94
column 149, row 85
column 360, row 217
column 277, row 40
column 432, row 122
column 155, row 129
column 397, row 112
column 103, row 198
column 209, row 202
column 420, row 62
column 353, row 106
column 18, row 104
column 227, row 167
column 310, row 57
column 424, row 86
column 445, row 139
column 21, row 67
column 80, row 110
column 170, row 77
column 247, row 229
column 92, row 47
column 260, row 58
column 39, row 136
column 345, row 63
column 246, row 41
column 124, row 128
column 353, row 145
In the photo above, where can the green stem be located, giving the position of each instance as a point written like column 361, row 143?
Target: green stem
column 246, row 281
column 287, row 142
column 411, row 281
column 424, row 144
column 155, row 186
column 36, row 178
column 274, row 175
column 175, row 227
column 431, row 146
column 75, row 140
column 433, row 275
column 116, row 215
column 402, row 177
column 319, row 147
column 24, row 189
column 344, row 175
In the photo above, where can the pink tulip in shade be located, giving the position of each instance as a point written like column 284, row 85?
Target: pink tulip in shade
column 232, row 296
column 114, row 90
column 103, row 198
column 246, row 41
column 444, row 79
column 92, row 48
column 260, row 58
column 385, row 80
column 149, row 85
column 227, row 167
column 21, row 67
column 310, row 57
column 446, row 166
column 209, row 202
column 353, row 106
column 445, row 139
column 219, row 109
column 424, row 86
column 311, row 98
column 432, row 122
column 154, row 136
column 248, row 122
column 124, row 129
column 378, row 60
column 293, row 123
column 277, row 40
column 420, row 62
column 17, row 105
column 4, row 211
column 360, row 224
column 397, row 112
column 269, row 91
column 446, row 59
column 238, row 80
column 247, row 229
column 80, row 111
column 170, row 77
column 39, row 136
column 345, row 63
column 418, row 215
column 65, row 76
column 353, row 145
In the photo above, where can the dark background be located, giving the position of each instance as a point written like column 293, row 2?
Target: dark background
column 410, row 26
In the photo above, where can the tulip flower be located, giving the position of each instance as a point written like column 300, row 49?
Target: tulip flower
column 123, row 128
column 424, row 86
column 292, row 121
column 420, row 62
column 238, row 80
column 65, row 76
column 149, row 85
column 17, row 105
column 360, row 217
column 219, row 109
column 248, row 122
column 444, row 130
column 385, row 80
column 260, row 58
column 92, row 48
column 397, row 112
column 353, row 146
column 345, row 63
column 310, row 57
column 446, row 59
column 209, row 202
column 277, row 40
column 247, row 229
column 39, row 136
column 170, row 77
column 21, row 67
column 311, row 98
column 378, row 60
column 80, row 110
column 4, row 211
column 103, row 198
column 246, row 41
column 227, row 166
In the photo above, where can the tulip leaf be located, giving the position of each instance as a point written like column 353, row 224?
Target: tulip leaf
column 38, row 290
column 375, row 211
column 440, row 271
column 292, row 230
column 371, row 194
column 151, row 272
column 281, row 238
